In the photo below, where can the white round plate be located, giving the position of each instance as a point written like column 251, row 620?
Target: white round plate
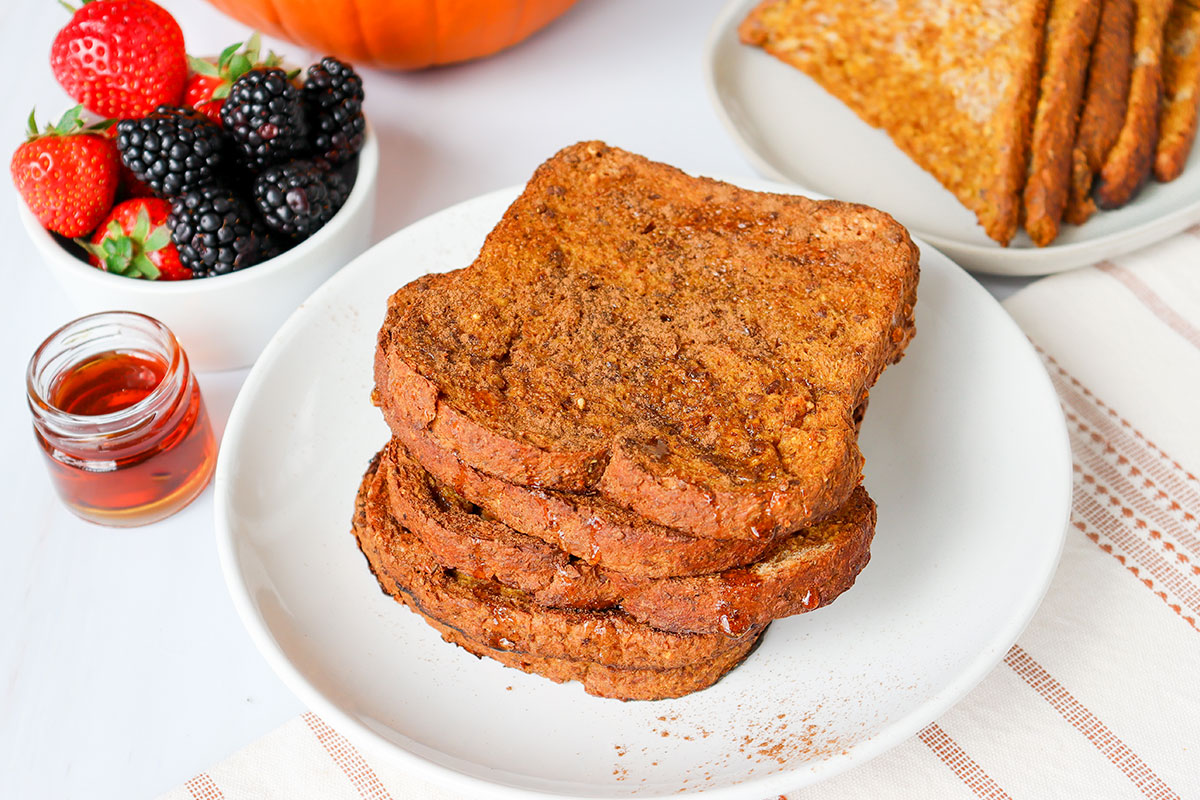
column 967, row 457
column 793, row 130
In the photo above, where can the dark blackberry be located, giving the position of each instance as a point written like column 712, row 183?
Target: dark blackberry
column 264, row 116
column 299, row 197
column 214, row 231
column 172, row 150
column 333, row 93
column 273, row 243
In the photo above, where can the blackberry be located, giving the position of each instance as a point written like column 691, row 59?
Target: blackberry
column 264, row 116
column 214, row 231
column 274, row 243
column 333, row 94
column 173, row 150
column 299, row 197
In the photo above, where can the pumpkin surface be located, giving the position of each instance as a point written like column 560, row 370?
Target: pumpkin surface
column 398, row 34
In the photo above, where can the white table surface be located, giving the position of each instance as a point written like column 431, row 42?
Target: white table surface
column 123, row 668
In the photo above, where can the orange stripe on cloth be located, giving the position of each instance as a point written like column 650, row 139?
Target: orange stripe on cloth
column 1152, row 301
column 1096, row 732
column 203, row 788
column 347, row 757
column 961, row 764
column 1119, row 432
column 1115, row 528
column 1136, row 571
column 1139, row 492
column 1103, row 433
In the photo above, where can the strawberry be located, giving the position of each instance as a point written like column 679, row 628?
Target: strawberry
column 121, row 58
column 135, row 241
column 200, row 91
column 68, row 174
column 208, row 84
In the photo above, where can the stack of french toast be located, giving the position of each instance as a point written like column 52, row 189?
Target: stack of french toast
column 625, row 438
column 1032, row 112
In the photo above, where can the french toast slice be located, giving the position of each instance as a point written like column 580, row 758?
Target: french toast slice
column 1104, row 102
column 1070, row 31
column 1181, row 90
column 505, row 619
column 585, row 526
column 601, row 680
column 954, row 84
column 1129, row 162
column 588, row 526
column 807, row 570
column 690, row 350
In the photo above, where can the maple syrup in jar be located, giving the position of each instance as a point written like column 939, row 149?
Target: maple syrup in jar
column 120, row 419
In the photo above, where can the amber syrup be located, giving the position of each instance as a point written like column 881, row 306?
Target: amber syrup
column 148, row 468
column 106, row 383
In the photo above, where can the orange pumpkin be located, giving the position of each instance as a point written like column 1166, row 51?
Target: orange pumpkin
column 398, row 34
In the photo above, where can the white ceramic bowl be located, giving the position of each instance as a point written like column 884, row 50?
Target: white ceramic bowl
column 223, row 322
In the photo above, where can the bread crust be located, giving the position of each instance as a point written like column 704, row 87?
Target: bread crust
column 1181, row 90
column 807, row 570
column 1070, row 31
column 954, row 84
column 601, row 680
column 1104, row 103
column 1128, row 163
column 556, row 360
column 586, row 526
column 504, row 619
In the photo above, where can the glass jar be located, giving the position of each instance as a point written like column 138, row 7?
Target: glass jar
column 119, row 417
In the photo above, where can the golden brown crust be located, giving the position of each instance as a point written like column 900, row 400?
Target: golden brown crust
column 1128, row 163
column 691, row 350
column 601, row 680
column 954, row 84
column 1070, row 29
column 1104, row 103
column 412, row 404
column 587, row 527
column 506, row 619
column 1181, row 90
column 807, row 570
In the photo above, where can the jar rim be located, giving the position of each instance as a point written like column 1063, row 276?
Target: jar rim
column 60, row 342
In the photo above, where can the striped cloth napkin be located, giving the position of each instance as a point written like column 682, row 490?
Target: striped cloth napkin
column 1100, row 697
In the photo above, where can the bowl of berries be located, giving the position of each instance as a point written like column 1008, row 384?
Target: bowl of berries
column 213, row 194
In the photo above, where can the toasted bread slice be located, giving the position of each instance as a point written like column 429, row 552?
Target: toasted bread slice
column 1181, row 90
column 807, row 570
column 601, row 680
column 1104, row 104
column 1070, row 30
column 585, row 526
column 506, row 619
column 693, row 351
column 954, row 84
column 1128, row 163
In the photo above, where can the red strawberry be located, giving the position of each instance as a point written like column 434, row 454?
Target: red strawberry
column 67, row 174
column 200, row 93
column 121, row 58
column 135, row 241
column 208, row 84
